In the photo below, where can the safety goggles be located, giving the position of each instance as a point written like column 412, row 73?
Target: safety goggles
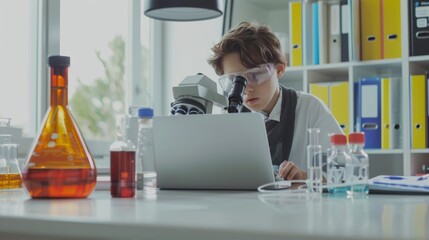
column 253, row 76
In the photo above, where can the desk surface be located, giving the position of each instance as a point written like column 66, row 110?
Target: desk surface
column 214, row 215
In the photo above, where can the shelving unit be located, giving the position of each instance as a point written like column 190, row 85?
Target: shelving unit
column 275, row 13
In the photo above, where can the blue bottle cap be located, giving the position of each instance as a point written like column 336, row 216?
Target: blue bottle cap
column 145, row 112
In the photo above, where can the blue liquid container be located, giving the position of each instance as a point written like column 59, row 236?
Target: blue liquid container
column 360, row 166
column 338, row 160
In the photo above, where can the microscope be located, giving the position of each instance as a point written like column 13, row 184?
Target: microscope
column 197, row 94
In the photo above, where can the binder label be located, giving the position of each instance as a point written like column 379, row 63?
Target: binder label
column 369, row 101
column 335, row 17
column 345, row 10
column 422, row 11
column 422, row 22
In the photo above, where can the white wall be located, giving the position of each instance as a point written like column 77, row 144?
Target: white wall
column 186, row 50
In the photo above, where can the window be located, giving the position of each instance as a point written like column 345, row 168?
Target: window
column 96, row 42
column 17, row 65
column 109, row 63
column 110, row 67
column 109, row 70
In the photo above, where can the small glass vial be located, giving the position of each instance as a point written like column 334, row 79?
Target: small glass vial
column 337, row 162
column 145, row 152
column 314, row 161
column 359, row 175
column 122, row 162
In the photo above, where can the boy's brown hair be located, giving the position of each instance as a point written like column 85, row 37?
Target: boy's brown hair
column 255, row 43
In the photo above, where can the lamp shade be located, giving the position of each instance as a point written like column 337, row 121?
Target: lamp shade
column 182, row 10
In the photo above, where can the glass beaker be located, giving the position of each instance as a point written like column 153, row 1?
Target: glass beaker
column 59, row 164
column 10, row 174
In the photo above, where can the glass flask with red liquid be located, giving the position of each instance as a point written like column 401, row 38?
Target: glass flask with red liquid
column 122, row 161
column 59, row 164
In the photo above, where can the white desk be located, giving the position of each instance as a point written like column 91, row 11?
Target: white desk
column 214, row 215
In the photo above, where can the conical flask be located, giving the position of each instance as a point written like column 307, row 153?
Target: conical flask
column 59, row 164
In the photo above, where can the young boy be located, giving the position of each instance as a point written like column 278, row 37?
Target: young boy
column 253, row 51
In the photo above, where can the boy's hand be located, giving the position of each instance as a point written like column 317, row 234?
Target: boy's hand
column 290, row 171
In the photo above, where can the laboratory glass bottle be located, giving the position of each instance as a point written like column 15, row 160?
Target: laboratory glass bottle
column 337, row 162
column 314, row 161
column 59, row 164
column 10, row 173
column 145, row 151
column 360, row 168
column 122, row 161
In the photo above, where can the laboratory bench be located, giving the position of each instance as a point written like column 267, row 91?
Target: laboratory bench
column 211, row 215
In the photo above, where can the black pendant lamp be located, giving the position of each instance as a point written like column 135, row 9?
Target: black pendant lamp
column 182, row 10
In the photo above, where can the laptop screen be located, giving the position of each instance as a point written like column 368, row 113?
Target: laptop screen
column 219, row 151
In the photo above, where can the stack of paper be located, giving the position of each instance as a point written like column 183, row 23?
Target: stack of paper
column 400, row 183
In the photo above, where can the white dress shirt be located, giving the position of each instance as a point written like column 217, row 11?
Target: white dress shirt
column 310, row 112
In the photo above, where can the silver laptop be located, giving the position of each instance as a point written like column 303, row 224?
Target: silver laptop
column 219, row 151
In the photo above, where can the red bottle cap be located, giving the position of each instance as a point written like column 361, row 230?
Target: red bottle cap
column 338, row 139
column 358, row 137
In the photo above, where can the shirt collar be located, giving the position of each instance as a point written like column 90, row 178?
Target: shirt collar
column 275, row 113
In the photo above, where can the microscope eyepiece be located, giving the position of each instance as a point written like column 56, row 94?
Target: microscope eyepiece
column 235, row 97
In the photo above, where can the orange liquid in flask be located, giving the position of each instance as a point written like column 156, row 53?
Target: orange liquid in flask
column 10, row 181
column 71, row 183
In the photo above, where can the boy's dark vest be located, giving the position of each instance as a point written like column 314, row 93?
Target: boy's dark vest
column 280, row 134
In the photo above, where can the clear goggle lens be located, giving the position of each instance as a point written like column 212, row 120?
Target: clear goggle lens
column 253, row 76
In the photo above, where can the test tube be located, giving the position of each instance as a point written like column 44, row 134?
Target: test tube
column 314, row 161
